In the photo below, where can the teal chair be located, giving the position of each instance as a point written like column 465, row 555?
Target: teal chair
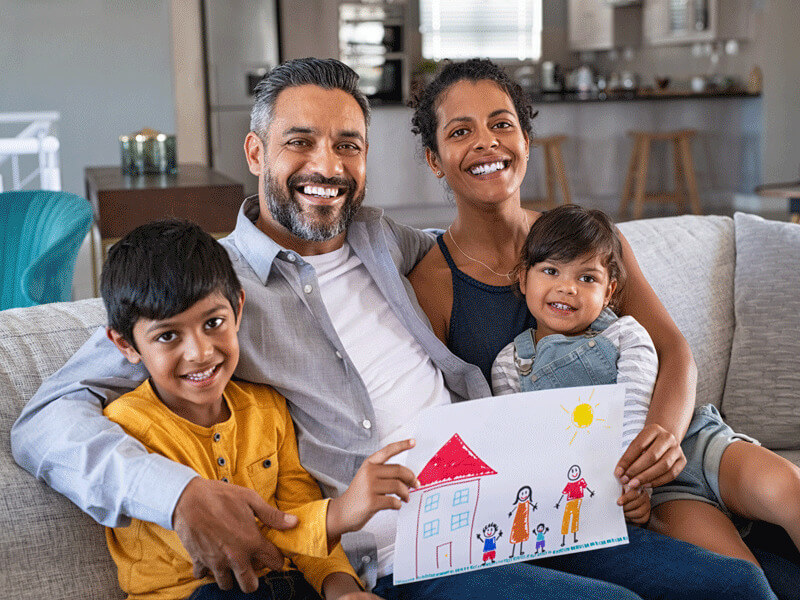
column 40, row 234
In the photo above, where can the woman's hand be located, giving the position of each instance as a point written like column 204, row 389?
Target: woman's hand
column 635, row 504
column 653, row 458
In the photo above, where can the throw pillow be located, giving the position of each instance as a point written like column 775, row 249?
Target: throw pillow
column 762, row 392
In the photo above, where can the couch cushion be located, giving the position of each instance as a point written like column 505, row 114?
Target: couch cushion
column 48, row 547
column 762, row 393
column 689, row 262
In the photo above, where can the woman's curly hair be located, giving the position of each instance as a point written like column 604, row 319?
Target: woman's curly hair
column 424, row 103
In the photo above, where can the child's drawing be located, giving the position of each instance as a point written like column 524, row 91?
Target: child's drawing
column 520, row 530
column 452, row 522
column 581, row 416
column 572, row 509
column 491, row 533
column 541, row 529
column 451, row 485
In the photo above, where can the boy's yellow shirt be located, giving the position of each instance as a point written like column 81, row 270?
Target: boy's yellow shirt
column 255, row 448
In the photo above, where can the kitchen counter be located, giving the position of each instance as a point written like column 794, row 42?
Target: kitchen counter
column 640, row 94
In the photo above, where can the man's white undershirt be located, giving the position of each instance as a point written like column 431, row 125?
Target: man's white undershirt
column 399, row 375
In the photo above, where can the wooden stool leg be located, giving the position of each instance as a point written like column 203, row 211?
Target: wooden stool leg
column 688, row 173
column 561, row 172
column 677, row 176
column 641, row 179
column 627, row 191
column 549, row 176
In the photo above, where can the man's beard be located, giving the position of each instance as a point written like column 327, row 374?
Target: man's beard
column 319, row 223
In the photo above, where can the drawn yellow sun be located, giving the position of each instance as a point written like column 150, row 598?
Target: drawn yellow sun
column 582, row 416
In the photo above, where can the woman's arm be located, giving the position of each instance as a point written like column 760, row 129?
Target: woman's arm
column 433, row 285
column 655, row 457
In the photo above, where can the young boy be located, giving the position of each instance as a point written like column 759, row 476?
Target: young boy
column 174, row 303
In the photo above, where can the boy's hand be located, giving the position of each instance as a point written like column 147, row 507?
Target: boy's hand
column 375, row 487
column 216, row 523
column 341, row 586
column 653, row 458
column 635, row 503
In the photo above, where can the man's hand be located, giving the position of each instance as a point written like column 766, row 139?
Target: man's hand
column 216, row 522
column 635, row 503
column 375, row 487
column 653, row 458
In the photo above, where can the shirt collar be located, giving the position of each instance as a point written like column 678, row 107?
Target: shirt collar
column 260, row 250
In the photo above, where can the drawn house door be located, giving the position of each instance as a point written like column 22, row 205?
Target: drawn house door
column 444, row 556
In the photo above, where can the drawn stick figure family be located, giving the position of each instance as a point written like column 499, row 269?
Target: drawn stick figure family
column 523, row 506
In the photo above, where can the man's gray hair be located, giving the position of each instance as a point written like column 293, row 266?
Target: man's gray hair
column 327, row 73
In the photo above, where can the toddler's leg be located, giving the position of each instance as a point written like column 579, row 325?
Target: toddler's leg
column 758, row 484
column 701, row 524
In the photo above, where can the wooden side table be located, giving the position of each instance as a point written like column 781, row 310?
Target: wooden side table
column 123, row 202
column 790, row 191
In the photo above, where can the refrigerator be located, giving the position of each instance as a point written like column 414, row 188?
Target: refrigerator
column 242, row 43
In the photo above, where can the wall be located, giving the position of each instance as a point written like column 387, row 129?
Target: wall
column 189, row 81
column 105, row 66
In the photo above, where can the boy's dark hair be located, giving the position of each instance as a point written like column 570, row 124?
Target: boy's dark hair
column 160, row 269
column 476, row 69
column 570, row 231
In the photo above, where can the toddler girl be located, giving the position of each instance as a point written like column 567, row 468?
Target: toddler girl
column 570, row 273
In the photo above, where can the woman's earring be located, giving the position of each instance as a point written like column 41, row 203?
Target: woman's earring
column 438, row 173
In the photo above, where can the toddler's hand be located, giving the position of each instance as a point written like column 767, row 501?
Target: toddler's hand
column 375, row 487
column 635, row 503
column 653, row 458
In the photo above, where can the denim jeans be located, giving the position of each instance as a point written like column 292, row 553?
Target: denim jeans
column 276, row 585
column 778, row 556
column 517, row 581
column 656, row 566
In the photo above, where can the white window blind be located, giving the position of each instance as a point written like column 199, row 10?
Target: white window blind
column 500, row 29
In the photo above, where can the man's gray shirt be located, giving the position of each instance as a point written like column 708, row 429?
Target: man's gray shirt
column 287, row 341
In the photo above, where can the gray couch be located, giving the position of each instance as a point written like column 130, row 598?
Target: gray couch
column 730, row 284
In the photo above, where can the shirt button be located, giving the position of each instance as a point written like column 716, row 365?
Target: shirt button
column 592, row 343
column 365, row 559
column 217, row 437
column 221, row 461
column 367, row 424
column 307, row 288
column 338, row 354
column 291, row 257
column 267, row 463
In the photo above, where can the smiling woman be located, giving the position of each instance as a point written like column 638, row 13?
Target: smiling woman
column 474, row 122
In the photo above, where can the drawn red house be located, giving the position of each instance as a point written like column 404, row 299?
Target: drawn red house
column 447, row 501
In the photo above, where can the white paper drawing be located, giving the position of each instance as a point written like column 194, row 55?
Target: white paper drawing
column 512, row 478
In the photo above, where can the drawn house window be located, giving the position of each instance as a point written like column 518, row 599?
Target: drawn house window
column 431, row 502
column 461, row 497
column 430, row 528
column 459, row 520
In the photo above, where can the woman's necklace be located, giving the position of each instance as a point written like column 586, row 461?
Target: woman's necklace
column 480, row 262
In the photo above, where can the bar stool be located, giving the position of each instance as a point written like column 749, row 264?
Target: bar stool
column 554, row 170
column 683, row 172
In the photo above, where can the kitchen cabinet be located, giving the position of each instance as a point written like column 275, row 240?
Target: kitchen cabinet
column 675, row 22
column 595, row 25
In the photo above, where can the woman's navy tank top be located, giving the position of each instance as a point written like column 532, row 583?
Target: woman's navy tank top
column 485, row 318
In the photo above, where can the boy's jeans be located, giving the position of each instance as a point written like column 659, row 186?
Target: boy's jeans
column 275, row 585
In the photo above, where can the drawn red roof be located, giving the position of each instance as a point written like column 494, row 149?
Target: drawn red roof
column 454, row 461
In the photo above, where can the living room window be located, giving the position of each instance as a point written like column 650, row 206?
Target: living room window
column 497, row 29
